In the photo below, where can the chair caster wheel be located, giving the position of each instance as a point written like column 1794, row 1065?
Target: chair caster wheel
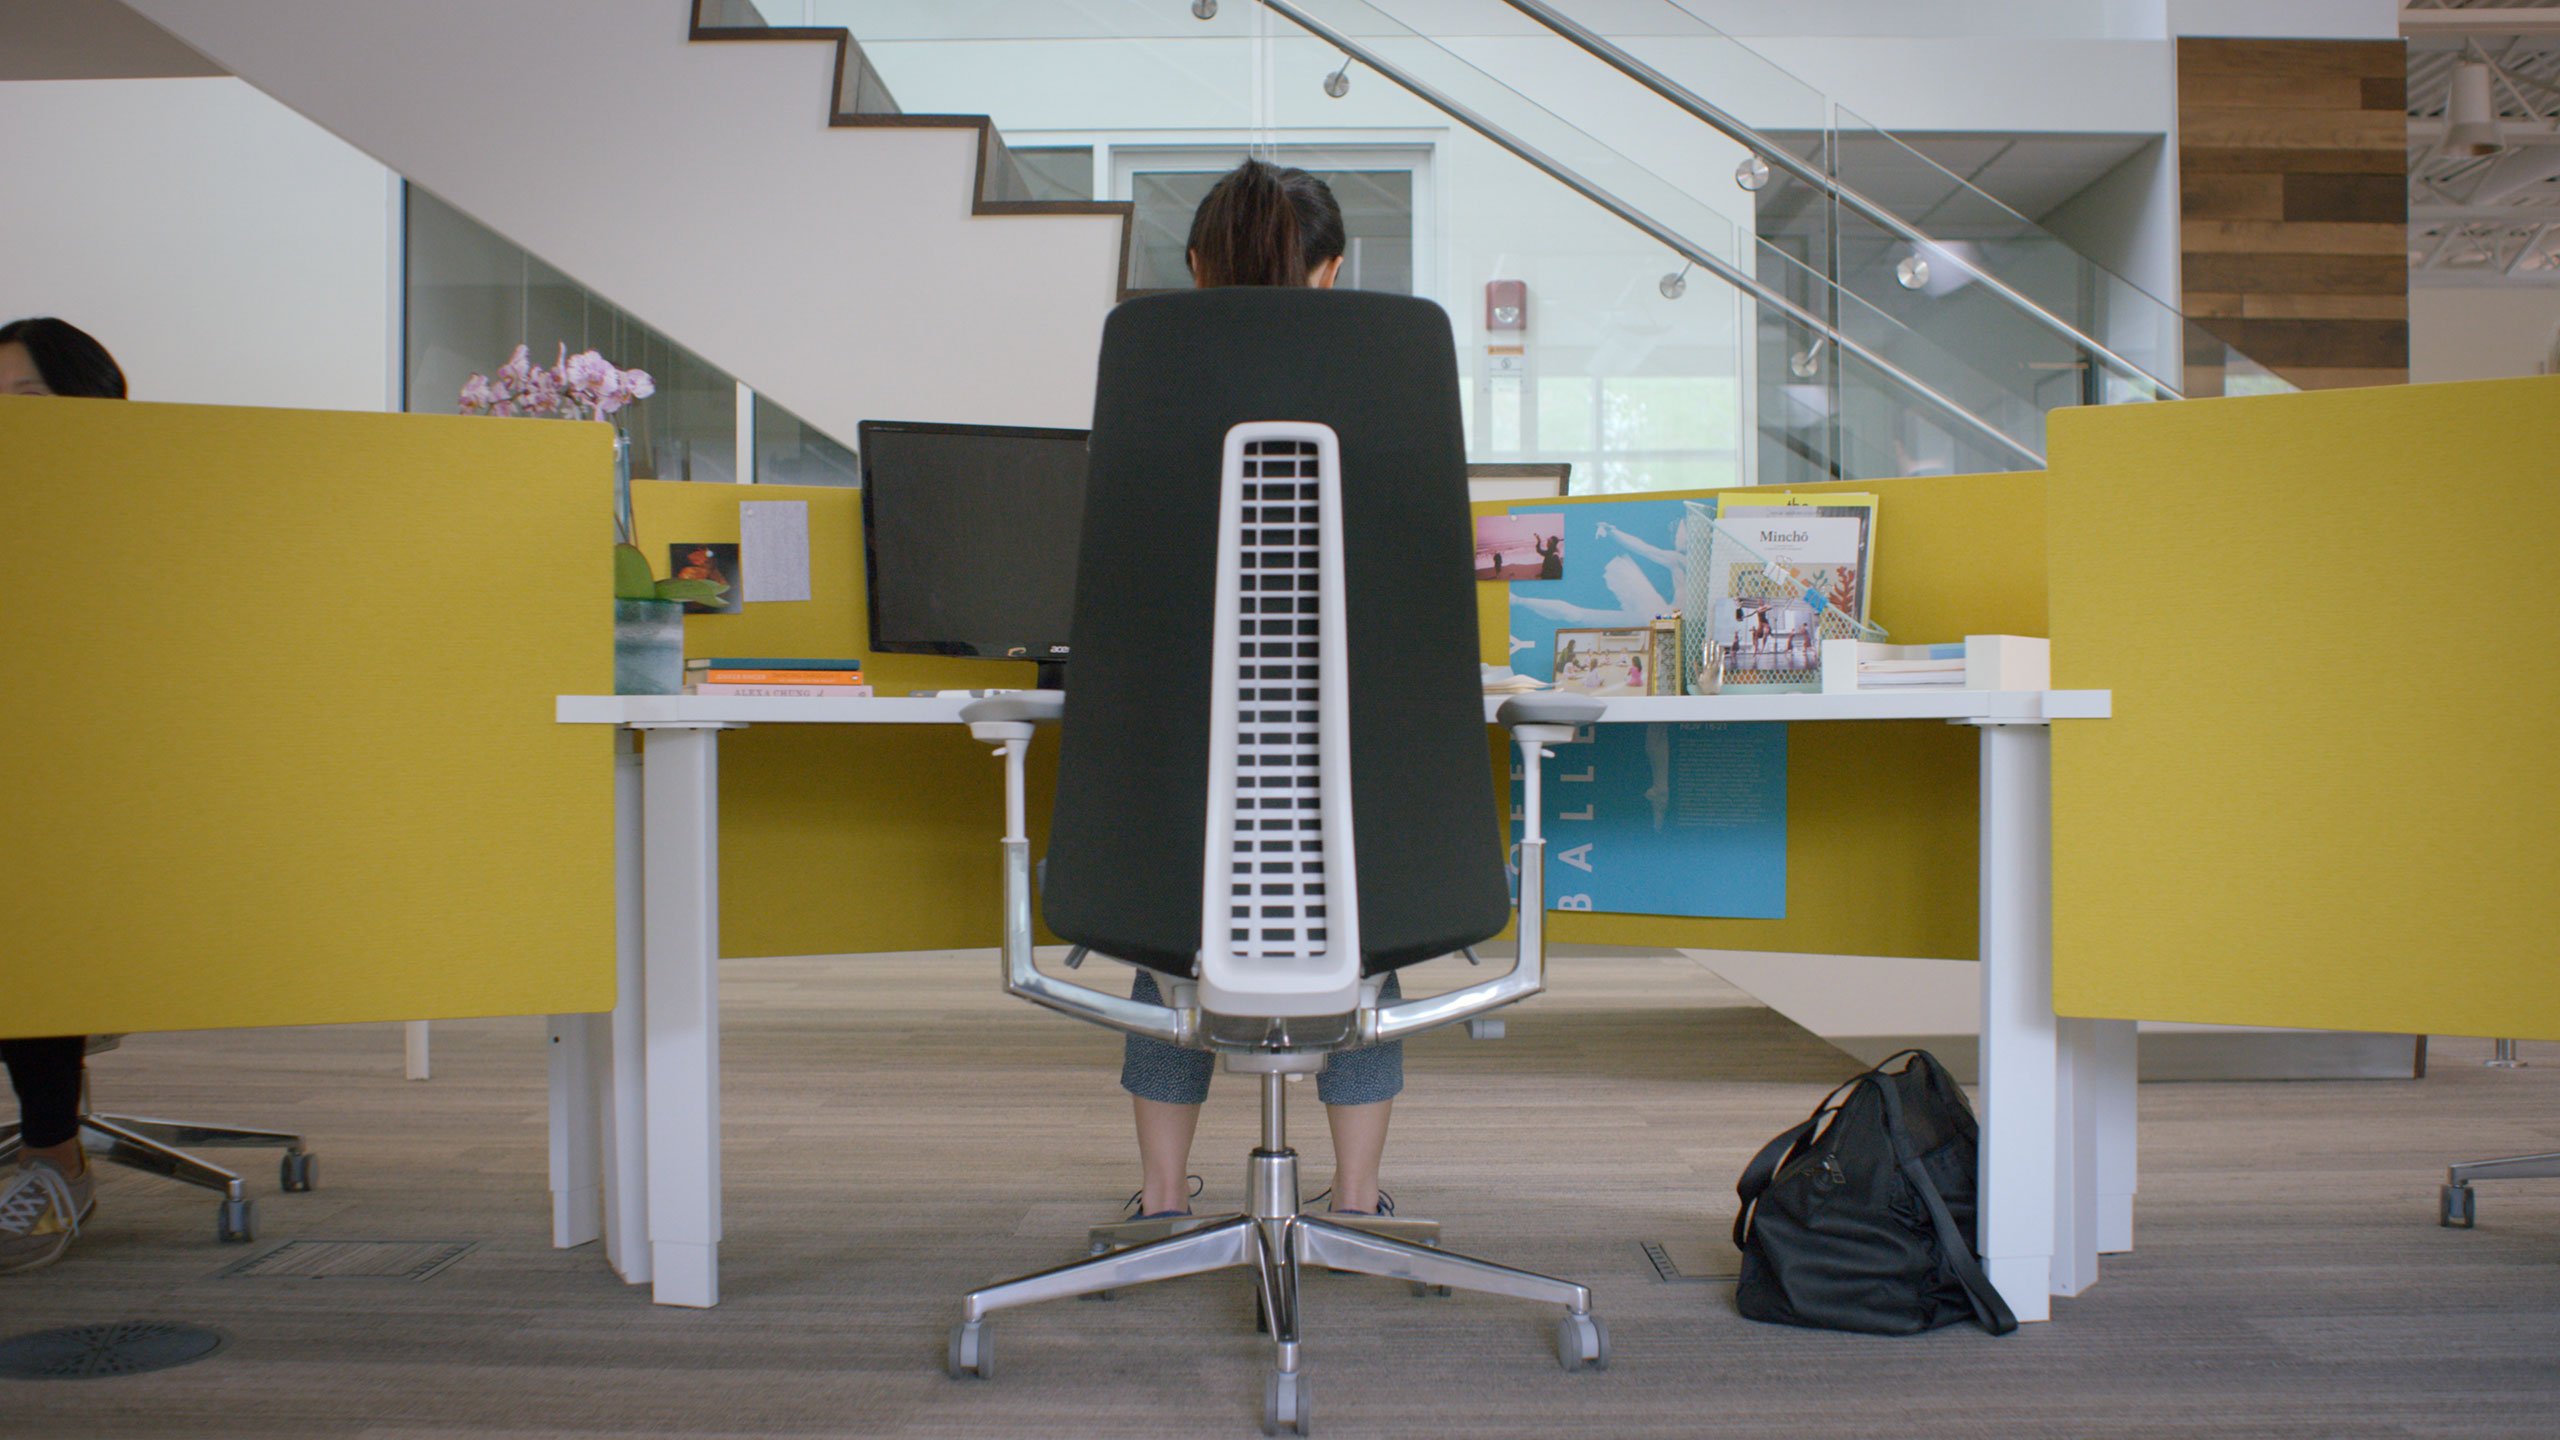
column 1582, row 1342
column 299, row 1170
column 235, row 1222
column 972, row 1354
column 1284, row 1403
column 1424, row 1288
column 2453, row 1207
column 1095, row 1251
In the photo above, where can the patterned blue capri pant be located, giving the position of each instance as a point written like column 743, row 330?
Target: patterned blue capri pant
column 1153, row 1070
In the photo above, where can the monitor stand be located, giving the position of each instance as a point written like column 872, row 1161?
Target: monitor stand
column 1053, row 675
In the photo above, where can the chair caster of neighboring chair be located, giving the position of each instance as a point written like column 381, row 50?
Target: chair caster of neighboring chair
column 299, row 1171
column 235, row 1222
column 1582, row 1342
column 972, row 1353
column 1284, row 1403
column 2454, row 1207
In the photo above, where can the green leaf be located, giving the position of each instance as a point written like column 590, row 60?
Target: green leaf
column 632, row 579
column 704, row 591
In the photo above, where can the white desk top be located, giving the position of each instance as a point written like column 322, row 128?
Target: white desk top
column 2013, row 706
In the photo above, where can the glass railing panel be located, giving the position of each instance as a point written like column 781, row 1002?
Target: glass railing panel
column 1985, row 245
column 2135, row 338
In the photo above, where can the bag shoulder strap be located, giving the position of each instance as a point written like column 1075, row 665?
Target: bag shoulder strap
column 1989, row 1309
column 1763, row 1169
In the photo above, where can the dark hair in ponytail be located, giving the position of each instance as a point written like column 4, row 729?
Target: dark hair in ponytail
column 1264, row 225
column 69, row 360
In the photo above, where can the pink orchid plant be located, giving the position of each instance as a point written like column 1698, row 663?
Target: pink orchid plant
column 584, row 386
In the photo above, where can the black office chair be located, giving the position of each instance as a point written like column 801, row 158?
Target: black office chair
column 1273, row 788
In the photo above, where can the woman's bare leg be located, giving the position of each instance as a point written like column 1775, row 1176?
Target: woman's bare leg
column 1359, row 1144
column 1164, row 1154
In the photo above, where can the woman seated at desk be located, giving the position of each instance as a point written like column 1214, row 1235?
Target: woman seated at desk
column 1261, row 225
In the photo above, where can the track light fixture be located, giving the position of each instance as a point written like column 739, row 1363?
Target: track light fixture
column 2471, row 112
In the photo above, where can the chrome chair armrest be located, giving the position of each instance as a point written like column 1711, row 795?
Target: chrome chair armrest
column 1005, row 722
column 1535, row 721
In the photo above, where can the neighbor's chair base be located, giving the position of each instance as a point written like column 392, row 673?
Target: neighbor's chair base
column 1274, row 1242
column 160, row 1147
column 2455, row 1205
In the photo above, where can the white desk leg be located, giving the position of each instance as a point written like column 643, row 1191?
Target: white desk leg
column 2075, row 1157
column 621, row 1053
column 413, row 1051
column 577, row 1190
column 680, row 778
column 2019, row 1046
column 2117, row 1063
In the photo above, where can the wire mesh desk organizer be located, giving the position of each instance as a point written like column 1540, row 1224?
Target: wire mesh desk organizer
column 1751, row 624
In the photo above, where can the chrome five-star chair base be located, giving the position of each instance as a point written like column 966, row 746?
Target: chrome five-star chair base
column 1275, row 1242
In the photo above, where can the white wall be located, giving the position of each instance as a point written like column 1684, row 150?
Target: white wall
column 2486, row 333
column 225, row 250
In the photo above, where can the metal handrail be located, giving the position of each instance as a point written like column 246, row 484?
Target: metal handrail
column 1695, row 254
column 1617, row 58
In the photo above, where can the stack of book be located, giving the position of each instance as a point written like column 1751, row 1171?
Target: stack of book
column 1977, row 662
column 774, row 678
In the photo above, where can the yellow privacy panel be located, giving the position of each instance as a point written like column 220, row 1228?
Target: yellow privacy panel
column 1881, row 818
column 844, row 837
column 279, row 717
column 2328, row 795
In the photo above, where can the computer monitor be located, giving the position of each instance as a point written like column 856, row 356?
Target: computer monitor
column 969, row 539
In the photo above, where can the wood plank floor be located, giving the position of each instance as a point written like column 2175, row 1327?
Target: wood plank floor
column 898, row 1132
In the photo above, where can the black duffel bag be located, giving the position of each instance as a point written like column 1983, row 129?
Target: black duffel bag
column 1861, row 1218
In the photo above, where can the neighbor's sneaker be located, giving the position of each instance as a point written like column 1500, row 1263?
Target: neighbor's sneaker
column 40, row 1210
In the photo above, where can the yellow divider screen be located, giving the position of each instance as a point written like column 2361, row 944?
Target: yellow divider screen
column 2329, row 792
column 279, row 717
column 1881, row 818
column 838, row 838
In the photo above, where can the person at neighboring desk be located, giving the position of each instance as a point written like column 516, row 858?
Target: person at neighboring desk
column 43, row 1203
column 1261, row 225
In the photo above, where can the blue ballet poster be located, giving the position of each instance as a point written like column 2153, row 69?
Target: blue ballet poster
column 1647, row 819
column 1622, row 563
column 1687, row 819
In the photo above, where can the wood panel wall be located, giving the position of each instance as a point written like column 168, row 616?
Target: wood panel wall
column 2294, row 207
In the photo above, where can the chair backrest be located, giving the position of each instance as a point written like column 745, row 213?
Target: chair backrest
column 1126, row 860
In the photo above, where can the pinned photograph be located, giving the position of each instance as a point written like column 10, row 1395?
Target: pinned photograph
column 1614, row 661
column 714, row 564
column 1520, row 547
column 1775, row 633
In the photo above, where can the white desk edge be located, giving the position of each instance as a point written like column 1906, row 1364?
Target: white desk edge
column 2012, row 706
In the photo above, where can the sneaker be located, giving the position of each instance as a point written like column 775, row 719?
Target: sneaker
column 1386, row 1206
column 1129, row 1208
column 40, row 1210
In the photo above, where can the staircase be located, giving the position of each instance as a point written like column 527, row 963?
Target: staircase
column 894, row 271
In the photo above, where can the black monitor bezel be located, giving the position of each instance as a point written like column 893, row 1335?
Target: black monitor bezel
column 1047, row 655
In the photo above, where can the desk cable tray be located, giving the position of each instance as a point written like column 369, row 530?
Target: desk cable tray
column 1709, row 550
